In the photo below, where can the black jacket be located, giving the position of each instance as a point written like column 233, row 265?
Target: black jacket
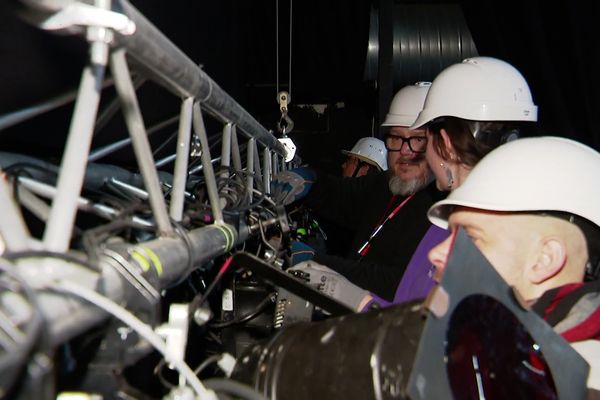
column 361, row 204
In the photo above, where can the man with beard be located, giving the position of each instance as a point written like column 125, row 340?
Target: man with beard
column 387, row 211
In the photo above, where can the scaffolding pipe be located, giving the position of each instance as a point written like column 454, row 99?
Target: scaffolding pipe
column 159, row 59
column 181, row 161
column 67, row 317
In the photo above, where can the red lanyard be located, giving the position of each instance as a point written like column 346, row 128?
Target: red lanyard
column 364, row 249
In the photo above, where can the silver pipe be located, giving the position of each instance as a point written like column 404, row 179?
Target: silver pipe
column 199, row 168
column 34, row 204
column 267, row 170
column 49, row 192
column 208, row 171
column 235, row 152
column 109, row 111
column 57, row 235
column 250, row 168
column 257, row 168
column 275, row 164
column 181, row 161
column 106, row 150
column 226, row 150
column 13, row 229
column 137, row 192
column 139, row 140
column 225, row 159
column 164, row 161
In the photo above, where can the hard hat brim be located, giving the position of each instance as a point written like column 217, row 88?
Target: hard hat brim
column 361, row 157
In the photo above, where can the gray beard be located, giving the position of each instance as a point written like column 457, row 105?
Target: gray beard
column 400, row 187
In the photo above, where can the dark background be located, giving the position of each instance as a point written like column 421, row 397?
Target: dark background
column 553, row 44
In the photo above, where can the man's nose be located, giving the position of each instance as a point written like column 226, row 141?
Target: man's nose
column 405, row 149
column 438, row 256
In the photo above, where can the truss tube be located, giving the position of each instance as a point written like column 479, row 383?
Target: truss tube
column 163, row 62
column 57, row 234
column 226, row 150
column 181, row 161
column 250, row 168
column 139, row 140
column 207, row 242
column 13, row 230
column 275, row 164
column 207, row 168
column 257, row 167
column 236, row 158
column 111, row 148
column 267, row 170
column 67, row 316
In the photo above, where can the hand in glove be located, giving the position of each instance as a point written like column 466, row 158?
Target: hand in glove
column 334, row 284
column 289, row 186
column 300, row 251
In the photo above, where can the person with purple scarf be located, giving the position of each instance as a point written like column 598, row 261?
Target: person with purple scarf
column 471, row 108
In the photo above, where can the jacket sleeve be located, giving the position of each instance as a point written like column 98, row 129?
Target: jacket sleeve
column 376, row 278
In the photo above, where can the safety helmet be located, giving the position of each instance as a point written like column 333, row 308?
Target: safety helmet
column 370, row 150
column 479, row 89
column 530, row 174
column 406, row 105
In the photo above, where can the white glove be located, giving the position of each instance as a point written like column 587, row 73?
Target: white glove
column 333, row 284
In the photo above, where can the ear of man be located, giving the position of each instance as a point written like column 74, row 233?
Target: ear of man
column 551, row 259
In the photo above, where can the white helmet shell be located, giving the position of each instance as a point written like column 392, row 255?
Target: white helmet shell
column 370, row 150
column 530, row 174
column 479, row 89
column 406, row 105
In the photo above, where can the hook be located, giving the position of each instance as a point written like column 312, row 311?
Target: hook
column 285, row 124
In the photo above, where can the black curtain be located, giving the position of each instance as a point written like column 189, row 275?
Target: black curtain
column 555, row 46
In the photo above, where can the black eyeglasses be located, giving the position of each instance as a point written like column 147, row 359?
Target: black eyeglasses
column 416, row 144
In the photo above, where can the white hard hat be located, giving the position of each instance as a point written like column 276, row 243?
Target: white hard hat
column 479, row 89
column 406, row 105
column 530, row 174
column 370, row 150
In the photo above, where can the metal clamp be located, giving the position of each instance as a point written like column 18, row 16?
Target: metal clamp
column 84, row 15
column 283, row 98
column 285, row 124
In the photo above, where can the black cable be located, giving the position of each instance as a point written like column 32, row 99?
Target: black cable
column 232, row 387
column 232, row 181
column 199, row 299
column 251, row 315
column 210, row 360
column 120, row 193
column 158, row 372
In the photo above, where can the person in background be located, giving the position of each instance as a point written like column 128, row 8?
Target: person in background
column 366, row 156
column 537, row 221
column 386, row 210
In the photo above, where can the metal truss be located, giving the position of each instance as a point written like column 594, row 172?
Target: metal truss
column 133, row 50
